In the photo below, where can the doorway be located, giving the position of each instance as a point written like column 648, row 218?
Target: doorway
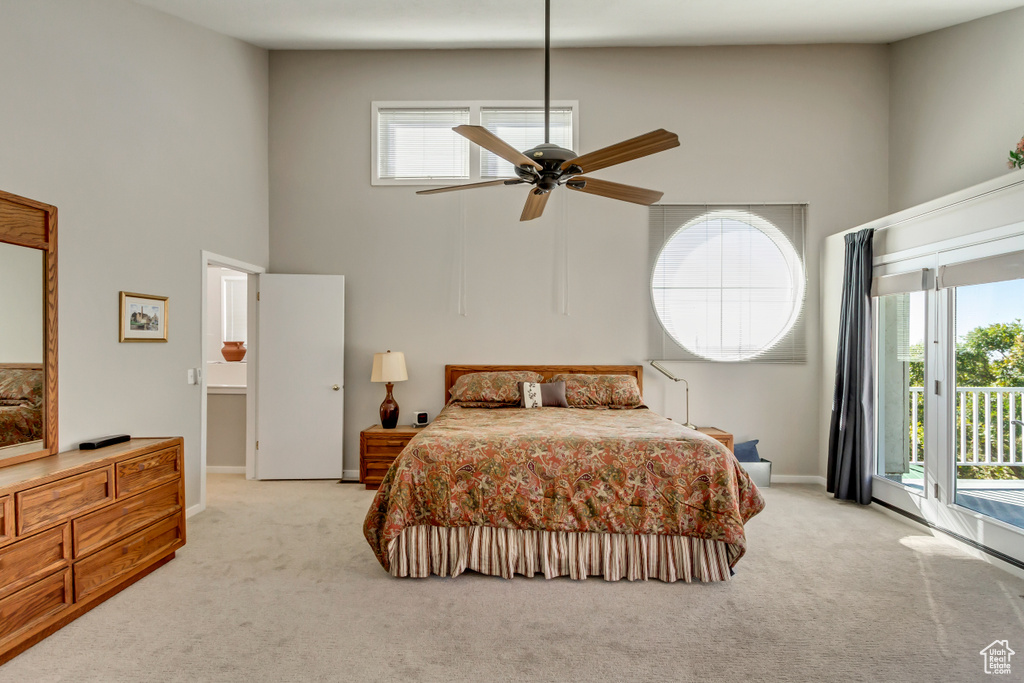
column 228, row 294
column 949, row 342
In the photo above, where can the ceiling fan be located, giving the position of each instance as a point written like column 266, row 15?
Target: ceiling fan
column 547, row 166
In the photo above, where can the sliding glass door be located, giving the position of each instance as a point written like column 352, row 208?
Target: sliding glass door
column 989, row 399
column 949, row 378
column 900, row 405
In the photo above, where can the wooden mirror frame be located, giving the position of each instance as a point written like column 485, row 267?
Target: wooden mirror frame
column 28, row 223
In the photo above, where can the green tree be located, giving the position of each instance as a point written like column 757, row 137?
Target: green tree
column 986, row 358
column 990, row 356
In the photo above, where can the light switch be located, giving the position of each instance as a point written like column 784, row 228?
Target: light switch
column 191, row 376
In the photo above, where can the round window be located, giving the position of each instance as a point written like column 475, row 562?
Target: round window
column 728, row 285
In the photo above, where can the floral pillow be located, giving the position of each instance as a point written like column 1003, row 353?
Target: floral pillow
column 601, row 391
column 492, row 387
column 21, row 385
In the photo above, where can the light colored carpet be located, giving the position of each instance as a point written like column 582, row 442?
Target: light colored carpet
column 277, row 584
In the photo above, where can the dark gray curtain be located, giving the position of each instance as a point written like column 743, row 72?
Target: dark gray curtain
column 851, row 434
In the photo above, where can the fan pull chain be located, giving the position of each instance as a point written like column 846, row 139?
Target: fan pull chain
column 463, row 311
column 565, row 253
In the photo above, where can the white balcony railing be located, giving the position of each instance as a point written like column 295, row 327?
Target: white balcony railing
column 984, row 428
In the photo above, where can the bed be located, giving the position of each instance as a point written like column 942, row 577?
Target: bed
column 555, row 491
column 21, row 403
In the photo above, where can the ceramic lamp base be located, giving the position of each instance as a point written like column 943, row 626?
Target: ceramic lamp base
column 389, row 410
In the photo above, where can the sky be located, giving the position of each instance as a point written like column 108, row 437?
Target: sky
column 976, row 306
column 981, row 305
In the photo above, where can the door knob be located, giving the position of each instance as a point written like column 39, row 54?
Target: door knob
column 336, row 387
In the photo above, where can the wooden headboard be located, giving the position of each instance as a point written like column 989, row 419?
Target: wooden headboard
column 453, row 372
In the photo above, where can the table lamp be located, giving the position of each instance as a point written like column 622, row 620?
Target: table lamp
column 389, row 368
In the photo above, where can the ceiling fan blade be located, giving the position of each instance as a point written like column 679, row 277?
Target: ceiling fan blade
column 606, row 188
column 469, row 186
column 493, row 143
column 535, row 202
column 627, row 150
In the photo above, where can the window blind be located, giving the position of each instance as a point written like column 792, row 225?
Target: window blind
column 234, row 294
column 420, row 143
column 523, row 128
column 727, row 283
column 982, row 271
column 901, row 283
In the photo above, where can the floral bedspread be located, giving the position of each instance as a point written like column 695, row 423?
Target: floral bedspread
column 21, row 398
column 19, row 424
column 564, row 469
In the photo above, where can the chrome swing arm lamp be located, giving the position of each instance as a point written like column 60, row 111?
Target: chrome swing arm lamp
column 656, row 364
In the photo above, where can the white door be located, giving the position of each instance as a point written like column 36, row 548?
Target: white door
column 300, row 364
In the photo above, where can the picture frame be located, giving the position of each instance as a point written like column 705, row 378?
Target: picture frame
column 143, row 318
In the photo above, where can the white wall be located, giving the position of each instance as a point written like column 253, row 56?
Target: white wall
column 21, row 304
column 213, row 313
column 150, row 136
column 955, row 112
column 956, row 107
column 806, row 123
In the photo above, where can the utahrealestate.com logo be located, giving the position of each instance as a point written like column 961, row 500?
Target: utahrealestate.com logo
column 997, row 657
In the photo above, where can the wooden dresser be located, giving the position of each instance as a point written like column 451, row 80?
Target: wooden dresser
column 80, row 526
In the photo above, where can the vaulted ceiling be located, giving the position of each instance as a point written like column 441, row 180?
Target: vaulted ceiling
column 410, row 24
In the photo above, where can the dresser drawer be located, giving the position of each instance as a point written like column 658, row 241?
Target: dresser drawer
column 382, row 442
column 147, row 471
column 34, row 557
column 32, row 605
column 6, row 519
column 375, row 468
column 63, row 499
column 101, row 569
column 126, row 516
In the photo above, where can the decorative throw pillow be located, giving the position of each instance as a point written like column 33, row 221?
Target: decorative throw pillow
column 601, row 391
column 747, row 451
column 492, row 387
column 547, row 394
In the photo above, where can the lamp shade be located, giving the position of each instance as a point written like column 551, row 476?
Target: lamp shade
column 389, row 367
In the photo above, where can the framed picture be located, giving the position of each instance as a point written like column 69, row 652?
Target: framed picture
column 143, row 318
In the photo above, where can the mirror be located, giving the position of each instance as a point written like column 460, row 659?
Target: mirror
column 28, row 357
column 21, row 347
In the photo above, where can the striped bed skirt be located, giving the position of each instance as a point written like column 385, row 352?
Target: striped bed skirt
column 420, row 551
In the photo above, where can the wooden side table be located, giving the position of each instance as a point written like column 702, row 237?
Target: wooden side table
column 724, row 438
column 378, row 448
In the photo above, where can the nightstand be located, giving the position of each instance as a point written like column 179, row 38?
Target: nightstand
column 378, row 448
column 724, row 438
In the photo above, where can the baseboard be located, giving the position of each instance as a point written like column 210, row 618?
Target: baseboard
column 797, row 479
column 350, row 475
column 915, row 521
column 225, row 469
column 972, row 548
column 194, row 510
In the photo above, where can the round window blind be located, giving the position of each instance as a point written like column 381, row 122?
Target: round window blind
column 728, row 285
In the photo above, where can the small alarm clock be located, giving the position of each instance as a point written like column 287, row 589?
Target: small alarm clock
column 419, row 418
